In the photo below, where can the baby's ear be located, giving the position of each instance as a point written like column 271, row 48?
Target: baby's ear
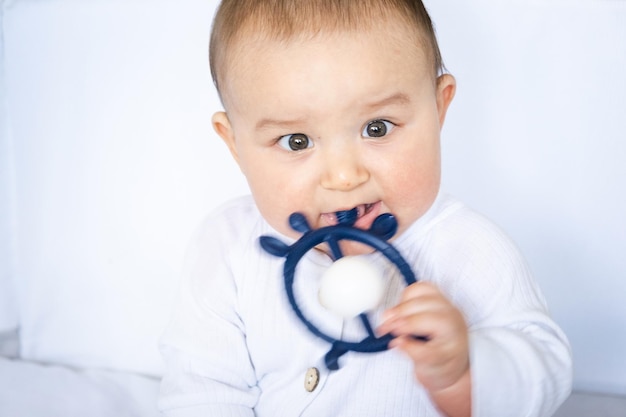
column 222, row 126
column 446, row 88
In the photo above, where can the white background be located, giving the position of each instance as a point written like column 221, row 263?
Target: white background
column 536, row 139
column 108, row 161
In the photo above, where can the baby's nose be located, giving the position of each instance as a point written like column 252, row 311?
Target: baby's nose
column 344, row 171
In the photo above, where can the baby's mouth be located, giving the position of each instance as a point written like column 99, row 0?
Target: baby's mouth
column 362, row 210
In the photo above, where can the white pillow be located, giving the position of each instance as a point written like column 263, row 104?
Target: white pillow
column 110, row 105
column 30, row 390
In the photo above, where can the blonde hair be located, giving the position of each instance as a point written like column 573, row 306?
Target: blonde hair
column 286, row 19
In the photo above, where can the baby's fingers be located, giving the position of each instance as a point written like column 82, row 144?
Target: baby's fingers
column 419, row 326
column 426, row 313
column 418, row 300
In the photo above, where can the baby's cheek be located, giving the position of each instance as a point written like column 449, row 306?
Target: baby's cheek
column 412, row 201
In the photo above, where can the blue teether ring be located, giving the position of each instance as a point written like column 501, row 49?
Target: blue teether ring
column 383, row 228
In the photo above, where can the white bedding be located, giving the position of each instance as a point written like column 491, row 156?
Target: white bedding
column 30, row 389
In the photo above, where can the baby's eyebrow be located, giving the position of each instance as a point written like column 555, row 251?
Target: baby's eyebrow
column 278, row 123
column 394, row 99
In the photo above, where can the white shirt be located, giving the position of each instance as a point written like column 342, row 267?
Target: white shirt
column 236, row 348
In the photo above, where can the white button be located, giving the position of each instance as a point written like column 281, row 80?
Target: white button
column 311, row 379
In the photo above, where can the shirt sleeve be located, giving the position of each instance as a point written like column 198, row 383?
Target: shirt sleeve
column 519, row 372
column 208, row 370
column 520, row 359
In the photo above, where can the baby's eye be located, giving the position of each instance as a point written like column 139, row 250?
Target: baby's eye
column 295, row 142
column 377, row 128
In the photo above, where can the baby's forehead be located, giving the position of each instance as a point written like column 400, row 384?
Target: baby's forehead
column 284, row 69
column 236, row 28
column 250, row 41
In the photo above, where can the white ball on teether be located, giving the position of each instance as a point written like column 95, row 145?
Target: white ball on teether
column 351, row 286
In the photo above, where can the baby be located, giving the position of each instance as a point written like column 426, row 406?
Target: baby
column 332, row 105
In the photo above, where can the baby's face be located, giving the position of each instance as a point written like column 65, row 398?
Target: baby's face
column 336, row 122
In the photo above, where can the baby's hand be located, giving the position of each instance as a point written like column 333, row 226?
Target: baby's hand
column 443, row 359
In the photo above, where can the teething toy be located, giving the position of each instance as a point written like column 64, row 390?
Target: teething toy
column 382, row 229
